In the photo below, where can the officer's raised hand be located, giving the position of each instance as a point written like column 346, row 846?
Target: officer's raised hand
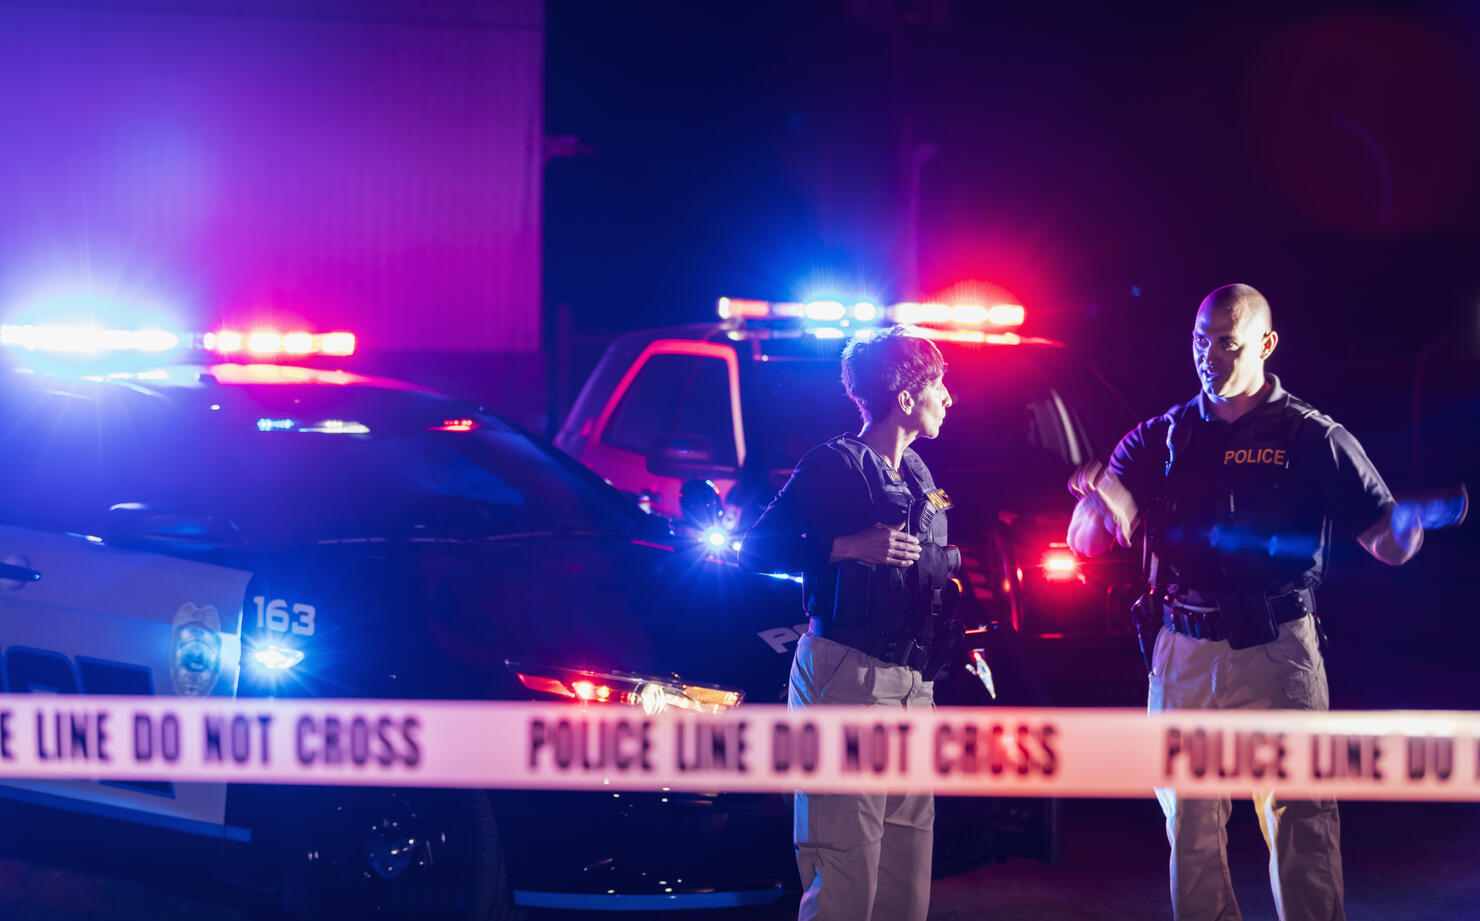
column 878, row 544
column 1106, row 513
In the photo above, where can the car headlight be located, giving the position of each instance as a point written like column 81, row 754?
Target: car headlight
column 652, row 693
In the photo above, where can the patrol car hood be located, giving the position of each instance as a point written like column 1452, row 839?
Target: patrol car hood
column 443, row 618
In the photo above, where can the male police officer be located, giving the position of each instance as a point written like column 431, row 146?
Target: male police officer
column 844, row 521
column 1238, row 489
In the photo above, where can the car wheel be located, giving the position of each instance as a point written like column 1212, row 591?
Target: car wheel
column 425, row 854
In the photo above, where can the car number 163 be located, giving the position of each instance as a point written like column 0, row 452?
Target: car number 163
column 277, row 615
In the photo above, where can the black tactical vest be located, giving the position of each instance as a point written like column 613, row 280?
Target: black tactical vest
column 897, row 608
column 1238, row 512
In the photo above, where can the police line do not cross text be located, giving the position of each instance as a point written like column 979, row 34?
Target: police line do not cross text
column 982, row 751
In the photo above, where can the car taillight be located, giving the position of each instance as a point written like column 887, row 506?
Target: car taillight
column 1060, row 564
column 454, row 425
column 652, row 693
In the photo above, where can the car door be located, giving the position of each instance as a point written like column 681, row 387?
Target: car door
column 78, row 615
column 678, row 391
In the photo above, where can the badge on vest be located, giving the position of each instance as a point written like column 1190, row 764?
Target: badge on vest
column 1271, row 456
column 940, row 500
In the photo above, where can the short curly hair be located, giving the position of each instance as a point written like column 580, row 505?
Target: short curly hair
column 878, row 364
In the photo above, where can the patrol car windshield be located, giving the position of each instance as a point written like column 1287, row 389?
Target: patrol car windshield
column 289, row 465
column 1019, row 414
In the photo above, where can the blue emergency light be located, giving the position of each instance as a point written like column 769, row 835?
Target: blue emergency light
column 88, row 340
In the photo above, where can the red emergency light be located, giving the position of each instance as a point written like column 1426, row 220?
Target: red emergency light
column 272, row 343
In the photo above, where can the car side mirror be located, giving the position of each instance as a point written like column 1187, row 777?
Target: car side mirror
column 685, row 457
column 140, row 525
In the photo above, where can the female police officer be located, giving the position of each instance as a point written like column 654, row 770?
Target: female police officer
column 1237, row 490
column 855, row 500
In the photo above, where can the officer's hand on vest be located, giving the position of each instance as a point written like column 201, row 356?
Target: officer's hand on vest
column 878, row 544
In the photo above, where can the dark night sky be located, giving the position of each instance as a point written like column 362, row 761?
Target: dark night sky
column 1325, row 155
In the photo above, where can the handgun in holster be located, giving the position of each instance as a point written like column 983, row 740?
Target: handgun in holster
column 1148, row 611
column 937, row 624
column 1146, row 618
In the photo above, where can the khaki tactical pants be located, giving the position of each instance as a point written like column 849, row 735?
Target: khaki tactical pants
column 1304, row 837
column 861, row 857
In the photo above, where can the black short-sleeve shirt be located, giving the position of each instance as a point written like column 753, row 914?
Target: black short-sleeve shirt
column 1249, row 504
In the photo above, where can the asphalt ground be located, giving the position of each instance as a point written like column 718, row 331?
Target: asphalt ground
column 1402, row 861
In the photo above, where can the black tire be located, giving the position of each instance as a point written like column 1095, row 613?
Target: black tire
column 424, row 854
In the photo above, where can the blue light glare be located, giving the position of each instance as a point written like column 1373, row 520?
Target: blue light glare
column 86, row 338
column 275, row 425
column 716, row 537
column 828, row 311
column 277, row 658
column 1241, row 540
column 337, row 427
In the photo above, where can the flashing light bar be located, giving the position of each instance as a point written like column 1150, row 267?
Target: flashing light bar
column 260, row 343
column 86, row 339
column 270, row 343
column 998, row 316
column 337, row 427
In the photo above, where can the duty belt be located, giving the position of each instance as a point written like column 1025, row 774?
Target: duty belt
column 898, row 649
column 1206, row 622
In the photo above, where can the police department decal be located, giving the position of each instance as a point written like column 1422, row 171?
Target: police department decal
column 195, row 650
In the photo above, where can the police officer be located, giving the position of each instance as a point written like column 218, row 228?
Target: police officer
column 1237, row 490
column 849, row 521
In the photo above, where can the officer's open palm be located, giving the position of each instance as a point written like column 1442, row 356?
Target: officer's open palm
column 881, row 543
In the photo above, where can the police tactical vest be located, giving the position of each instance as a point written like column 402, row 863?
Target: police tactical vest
column 1238, row 512
column 910, row 604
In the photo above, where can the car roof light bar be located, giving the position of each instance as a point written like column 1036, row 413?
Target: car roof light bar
column 86, row 339
column 82, row 339
column 949, row 316
column 268, row 343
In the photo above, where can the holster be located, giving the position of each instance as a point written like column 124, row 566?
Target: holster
column 943, row 648
column 1146, row 618
column 1248, row 618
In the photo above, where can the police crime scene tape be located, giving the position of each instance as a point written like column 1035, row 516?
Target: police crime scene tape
column 1382, row 755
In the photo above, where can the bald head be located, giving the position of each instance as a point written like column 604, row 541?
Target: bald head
column 1248, row 307
column 1231, row 339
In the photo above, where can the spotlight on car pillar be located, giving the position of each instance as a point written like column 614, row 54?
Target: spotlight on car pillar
column 277, row 658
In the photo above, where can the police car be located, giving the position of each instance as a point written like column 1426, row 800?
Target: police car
column 234, row 514
column 739, row 401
